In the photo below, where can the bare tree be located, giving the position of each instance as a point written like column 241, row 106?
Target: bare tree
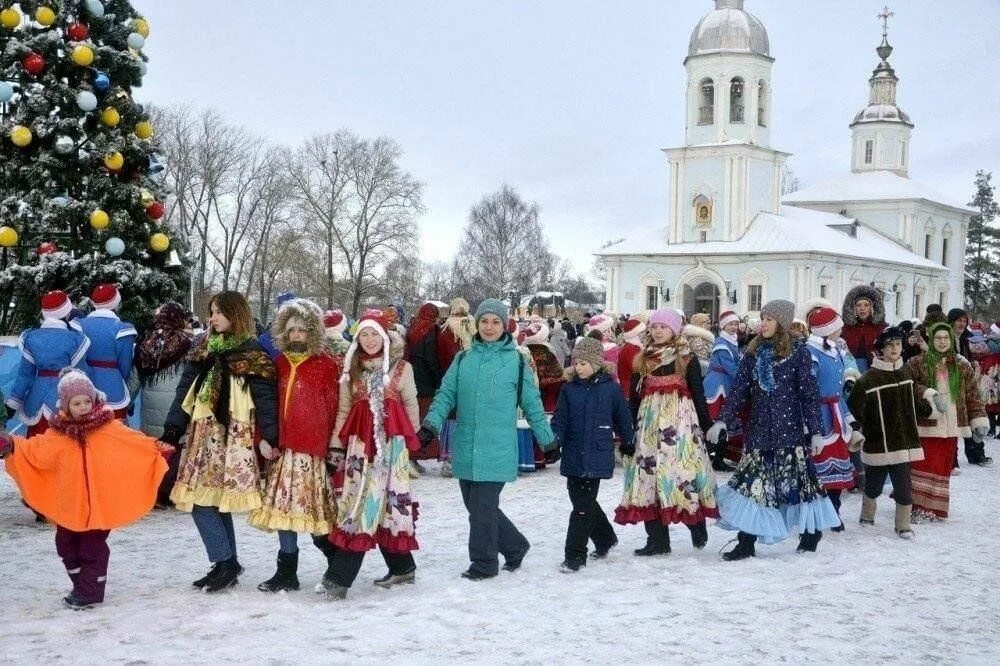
column 789, row 181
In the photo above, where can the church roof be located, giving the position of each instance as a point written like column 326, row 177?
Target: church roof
column 795, row 231
column 872, row 186
column 729, row 29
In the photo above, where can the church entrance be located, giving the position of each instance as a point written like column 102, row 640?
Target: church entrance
column 702, row 298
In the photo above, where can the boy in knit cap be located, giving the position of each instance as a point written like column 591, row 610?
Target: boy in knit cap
column 590, row 410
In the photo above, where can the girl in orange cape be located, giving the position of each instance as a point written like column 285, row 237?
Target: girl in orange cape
column 88, row 474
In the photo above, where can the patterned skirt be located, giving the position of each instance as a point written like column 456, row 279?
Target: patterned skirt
column 670, row 477
column 833, row 465
column 774, row 493
column 931, row 477
column 218, row 467
column 375, row 507
column 297, row 496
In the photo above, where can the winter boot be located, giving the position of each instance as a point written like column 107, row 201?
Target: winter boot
column 207, row 578
column 446, row 469
column 514, row 563
column 719, row 463
column 868, row 506
column 657, row 540
column 699, row 535
column 286, row 578
column 744, row 548
column 808, row 542
column 74, row 602
column 572, row 566
column 472, row 574
column 331, row 590
column 903, row 529
column 391, row 579
column 226, row 576
column 601, row 553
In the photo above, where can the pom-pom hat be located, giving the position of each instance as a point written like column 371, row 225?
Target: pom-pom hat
column 56, row 305
column 106, row 297
column 823, row 321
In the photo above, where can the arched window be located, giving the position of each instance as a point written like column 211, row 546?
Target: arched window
column 761, row 103
column 736, row 114
column 706, row 110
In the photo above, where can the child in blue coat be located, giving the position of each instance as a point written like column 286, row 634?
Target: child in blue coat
column 590, row 410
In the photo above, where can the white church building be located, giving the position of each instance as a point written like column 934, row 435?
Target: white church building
column 733, row 242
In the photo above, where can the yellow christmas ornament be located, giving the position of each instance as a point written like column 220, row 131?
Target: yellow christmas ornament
column 99, row 219
column 8, row 237
column 45, row 16
column 144, row 129
column 110, row 116
column 114, row 161
column 20, row 135
column 146, row 197
column 83, row 55
column 10, row 18
column 141, row 26
column 159, row 242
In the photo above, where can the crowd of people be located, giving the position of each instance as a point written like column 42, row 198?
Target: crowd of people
column 319, row 425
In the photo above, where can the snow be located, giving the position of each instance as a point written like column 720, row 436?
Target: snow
column 872, row 186
column 865, row 597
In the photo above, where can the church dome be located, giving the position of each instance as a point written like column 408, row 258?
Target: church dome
column 882, row 112
column 729, row 28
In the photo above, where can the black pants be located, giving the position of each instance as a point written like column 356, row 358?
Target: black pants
column 899, row 474
column 834, row 496
column 346, row 564
column 490, row 531
column 587, row 520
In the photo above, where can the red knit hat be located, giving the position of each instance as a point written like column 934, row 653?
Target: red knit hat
column 56, row 305
column 106, row 297
column 823, row 321
column 726, row 317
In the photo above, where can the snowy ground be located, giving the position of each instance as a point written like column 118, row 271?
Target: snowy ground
column 865, row 597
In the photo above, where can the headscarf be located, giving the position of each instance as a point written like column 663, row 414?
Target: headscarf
column 163, row 345
column 932, row 357
column 421, row 325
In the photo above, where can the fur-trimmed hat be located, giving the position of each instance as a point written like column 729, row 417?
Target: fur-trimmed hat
column 602, row 323
column 375, row 320
column 106, row 297
column 866, row 293
column 888, row 335
column 823, row 321
column 334, row 322
column 298, row 313
column 537, row 333
column 811, row 304
column 56, row 305
column 701, row 320
column 633, row 329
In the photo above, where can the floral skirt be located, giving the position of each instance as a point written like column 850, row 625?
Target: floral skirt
column 218, row 467
column 297, row 496
column 375, row 507
column 833, row 465
column 931, row 477
column 670, row 477
column 773, row 493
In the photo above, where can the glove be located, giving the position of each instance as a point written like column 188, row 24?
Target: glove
column 941, row 403
column 426, row 436
column 627, row 448
column 817, row 444
column 6, row 445
column 848, row 387
column 715, row 432
column 269, row 452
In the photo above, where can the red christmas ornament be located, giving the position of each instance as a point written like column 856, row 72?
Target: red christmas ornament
column 48, row 247
column 33, row 63
column 77, row 32
column 155, row 210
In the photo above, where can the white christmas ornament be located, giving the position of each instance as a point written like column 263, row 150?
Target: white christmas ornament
column 64, row 145
column 94, row 8
column 62, row 202
column 136, row 41
column 115, row 246
column 142, row 68
column 86, row 100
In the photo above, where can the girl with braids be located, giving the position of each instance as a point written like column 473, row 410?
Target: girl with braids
column 961, row 415
column 226, row 390
column 668, row 478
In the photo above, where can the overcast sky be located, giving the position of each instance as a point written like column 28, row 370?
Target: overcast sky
column 570, row 101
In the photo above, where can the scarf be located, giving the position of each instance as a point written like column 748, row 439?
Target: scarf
column 932, row 357
column 77, row 428
column 763, row 369
column 730, row 337
column 218, row 359
column 164, row 345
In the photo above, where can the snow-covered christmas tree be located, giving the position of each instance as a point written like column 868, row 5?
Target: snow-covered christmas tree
column 80, row 200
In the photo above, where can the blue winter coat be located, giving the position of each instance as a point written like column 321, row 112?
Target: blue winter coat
column 784, row 417
column 44, row 352
column 587, row 414
column 482, row 384
column 109, row 358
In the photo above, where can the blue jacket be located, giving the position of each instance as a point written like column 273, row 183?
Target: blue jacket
column 587, row 413
column 109, row 358
column 722, row 368
column 783, row 417
column 44, row 352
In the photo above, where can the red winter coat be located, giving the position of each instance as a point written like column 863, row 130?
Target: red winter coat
column 308, row 394
column 626, row 359
column 862, row 338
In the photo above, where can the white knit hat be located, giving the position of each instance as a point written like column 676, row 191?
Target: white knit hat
column 375, row 320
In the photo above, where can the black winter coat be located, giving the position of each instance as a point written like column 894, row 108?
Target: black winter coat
column 426, row 369
column 587, row 414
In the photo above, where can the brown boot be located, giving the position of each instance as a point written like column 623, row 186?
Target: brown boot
column 903, row 529
column 868, row 506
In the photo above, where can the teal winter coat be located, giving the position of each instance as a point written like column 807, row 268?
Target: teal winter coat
column 481, row 384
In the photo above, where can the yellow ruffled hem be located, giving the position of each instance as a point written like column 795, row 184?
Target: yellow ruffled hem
column 268, row 519
column 185, row 497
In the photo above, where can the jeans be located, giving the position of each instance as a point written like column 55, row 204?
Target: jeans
column 902, row 490
column 216, row 531
column 288, row 541
column 587, row 520
column 490, row 531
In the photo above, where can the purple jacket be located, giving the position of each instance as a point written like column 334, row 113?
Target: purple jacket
column 784, row 417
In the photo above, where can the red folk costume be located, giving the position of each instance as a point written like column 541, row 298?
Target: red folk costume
column 631, row 348
column 547, row 367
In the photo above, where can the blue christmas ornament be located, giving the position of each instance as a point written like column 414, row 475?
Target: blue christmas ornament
column 142, row 68
column 62, row 202
column 136, row 41
column 102, row 82
column 6, row 92
column 115, row 246
column 94, row 8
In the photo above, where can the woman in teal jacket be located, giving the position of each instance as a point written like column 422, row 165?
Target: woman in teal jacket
column 486, row 384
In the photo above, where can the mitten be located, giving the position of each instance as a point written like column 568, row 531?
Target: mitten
column 817, row 444
column 627, row 448
column 269, row 452
column 981, row 431
column 857, row 442
column 715, row 432
column 426, row 436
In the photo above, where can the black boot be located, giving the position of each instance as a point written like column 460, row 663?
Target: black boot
column 225, row 576
column 699, row 535
column 808, row 542
column 206, row 579
column 328, row 550
column 286, row 577
column 744, row 548
column 719, row 463
column 657, row 540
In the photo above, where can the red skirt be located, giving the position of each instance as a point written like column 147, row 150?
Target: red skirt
column 931, row 476
column 432, row 451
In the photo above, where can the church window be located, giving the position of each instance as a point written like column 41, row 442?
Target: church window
column 706, row 110
column 652, row 297
column 755, row 297
column 902, row 151
column 869, row 149
column 761, row 103
column 917, row 309
column 927, row 246
column 944, row 251
column 941, row 298
column 822, row 291
column 736, row 100
column 899, row 303
column 702, row 236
